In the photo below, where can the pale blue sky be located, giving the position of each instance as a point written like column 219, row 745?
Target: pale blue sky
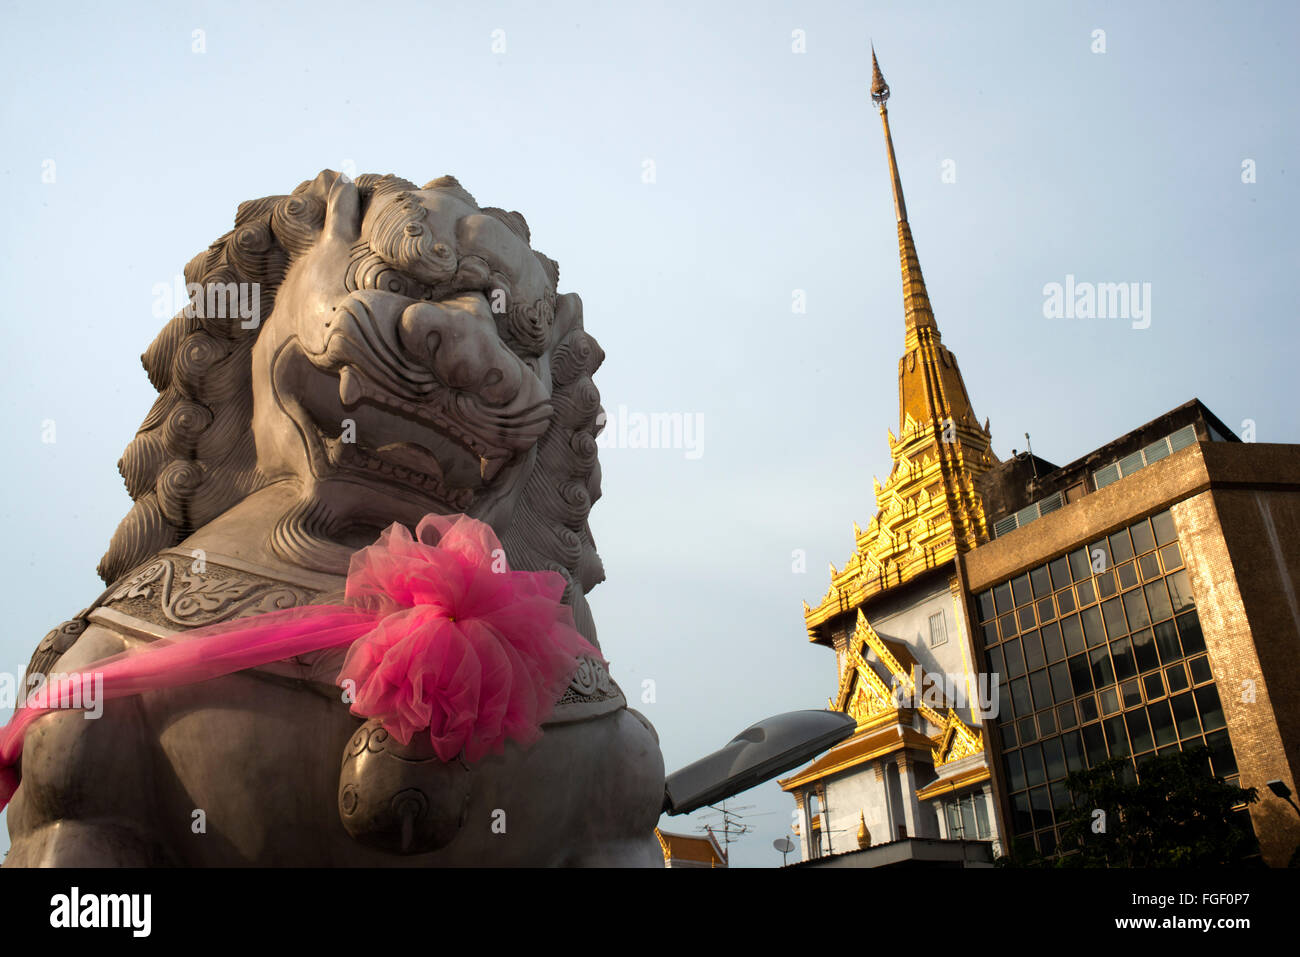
column 770, row 177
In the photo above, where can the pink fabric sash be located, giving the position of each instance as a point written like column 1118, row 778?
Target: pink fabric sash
column 443, row 638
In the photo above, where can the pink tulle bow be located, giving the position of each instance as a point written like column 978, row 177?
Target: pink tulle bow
column 442, row 637
column 466, row 648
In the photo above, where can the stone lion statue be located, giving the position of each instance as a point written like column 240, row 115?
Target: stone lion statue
column 354, row 354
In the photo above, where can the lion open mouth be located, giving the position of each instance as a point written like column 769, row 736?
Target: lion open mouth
column 426, row 446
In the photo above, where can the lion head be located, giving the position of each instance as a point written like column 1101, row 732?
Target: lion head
column 400, row 350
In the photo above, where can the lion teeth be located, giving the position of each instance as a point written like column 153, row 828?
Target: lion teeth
column 349, row 388
column 436, row 410
column 489, row 467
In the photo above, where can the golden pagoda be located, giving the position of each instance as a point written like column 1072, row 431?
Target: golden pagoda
column 928, row 508
column 901, row 582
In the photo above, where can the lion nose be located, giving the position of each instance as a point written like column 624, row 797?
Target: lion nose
column 457, row 339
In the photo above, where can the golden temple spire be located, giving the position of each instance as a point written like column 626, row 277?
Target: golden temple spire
column 929, row 508
column 930, row 389
column 916, row 301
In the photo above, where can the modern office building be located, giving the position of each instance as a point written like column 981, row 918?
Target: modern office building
column 1140, row 599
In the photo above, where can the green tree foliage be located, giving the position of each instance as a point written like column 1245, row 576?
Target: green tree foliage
column 1172, row 813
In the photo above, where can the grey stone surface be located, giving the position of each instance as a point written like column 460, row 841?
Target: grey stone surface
column 363, row 352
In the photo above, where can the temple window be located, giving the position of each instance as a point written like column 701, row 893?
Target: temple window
column 938, row 630
column 967, row 818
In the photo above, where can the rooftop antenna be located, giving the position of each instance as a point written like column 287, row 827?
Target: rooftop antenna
column 1032, row 463
column 732, row 824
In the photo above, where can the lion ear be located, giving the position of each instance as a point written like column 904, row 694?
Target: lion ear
column 443, row 182
column 568, row 317
column 550, row 267
column 380, row 185
column 513, row 220
column 452, row 185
